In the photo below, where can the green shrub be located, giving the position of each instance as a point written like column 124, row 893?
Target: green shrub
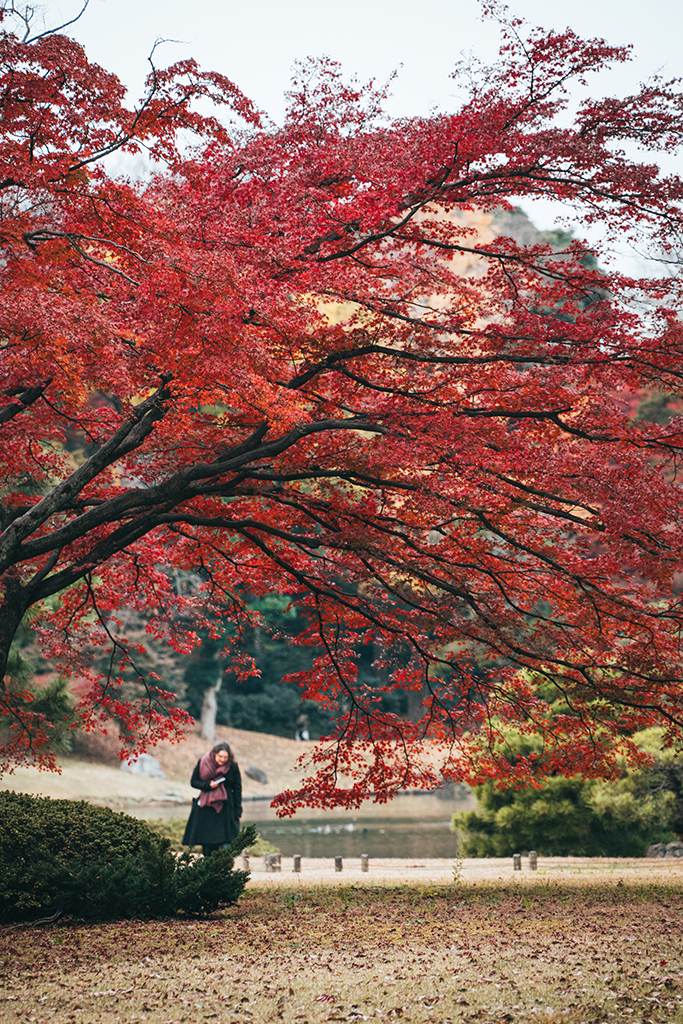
column 202, row 884
column 568, row 817
column 66, row 857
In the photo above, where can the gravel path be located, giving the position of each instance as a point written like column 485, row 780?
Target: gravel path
column 488, row 871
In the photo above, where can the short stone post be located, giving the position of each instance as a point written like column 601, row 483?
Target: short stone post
column 245, row 860
column 516, row 862
column 533, row 860
column 338, row 864
column 266, row 862
column 275, row 862
column 364, row 862
column 297, row 862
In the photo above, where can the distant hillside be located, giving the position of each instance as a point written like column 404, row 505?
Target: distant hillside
column 93, row 773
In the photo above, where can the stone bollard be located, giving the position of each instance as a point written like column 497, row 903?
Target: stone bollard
column 364, row 862
column 533, row 860
column 297, row 862
column 516, row 862
column 245, row 860
column 338, row 864
column 274, row 860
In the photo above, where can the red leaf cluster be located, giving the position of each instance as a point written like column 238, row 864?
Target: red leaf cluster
column 301, row 360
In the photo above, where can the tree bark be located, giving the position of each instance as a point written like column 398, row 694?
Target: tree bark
column 210, row 709
column 12, row 610
column 415, row 709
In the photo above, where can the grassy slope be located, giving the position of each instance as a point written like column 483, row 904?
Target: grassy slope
column 488, row 953
column 94, row 773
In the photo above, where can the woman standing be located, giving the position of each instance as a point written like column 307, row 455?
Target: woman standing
column 215, row 816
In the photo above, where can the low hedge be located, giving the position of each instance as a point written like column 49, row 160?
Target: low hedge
column 63, row 857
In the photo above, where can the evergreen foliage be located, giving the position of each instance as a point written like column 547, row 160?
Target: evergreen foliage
column 64, row 857
column 268, row 701
column 569, row 817
column 202, row 884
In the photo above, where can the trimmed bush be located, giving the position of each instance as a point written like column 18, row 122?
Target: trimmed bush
column 68, row 857
column 579, row 817
column 202, row 884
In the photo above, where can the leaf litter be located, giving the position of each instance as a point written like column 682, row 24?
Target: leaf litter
column 439, row 955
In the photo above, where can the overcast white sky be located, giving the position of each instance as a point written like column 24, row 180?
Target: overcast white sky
column 256, row 42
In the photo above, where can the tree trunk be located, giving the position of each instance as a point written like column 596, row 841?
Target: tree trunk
column 12, row 611
column 415, row 711
column 208, row 719
column 210, row 709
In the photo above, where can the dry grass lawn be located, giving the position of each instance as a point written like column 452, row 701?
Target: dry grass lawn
column 94, row 772
column 569, row 946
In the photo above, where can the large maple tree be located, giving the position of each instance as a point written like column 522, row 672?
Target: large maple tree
column 291, row 362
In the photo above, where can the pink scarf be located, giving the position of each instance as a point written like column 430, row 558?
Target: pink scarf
column 210, row 769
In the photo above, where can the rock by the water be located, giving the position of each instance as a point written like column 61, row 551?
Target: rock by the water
column 674, row 849
column 256, row 774
column 145, row 764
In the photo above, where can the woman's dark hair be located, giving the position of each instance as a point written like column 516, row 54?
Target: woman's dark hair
column 225, row 746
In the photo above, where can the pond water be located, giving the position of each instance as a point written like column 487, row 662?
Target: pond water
column 374, row 836
column 410, row 826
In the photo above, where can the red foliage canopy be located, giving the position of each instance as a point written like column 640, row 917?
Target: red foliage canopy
column 299, row 366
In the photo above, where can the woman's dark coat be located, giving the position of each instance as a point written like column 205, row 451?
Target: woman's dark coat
column 204, row 826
